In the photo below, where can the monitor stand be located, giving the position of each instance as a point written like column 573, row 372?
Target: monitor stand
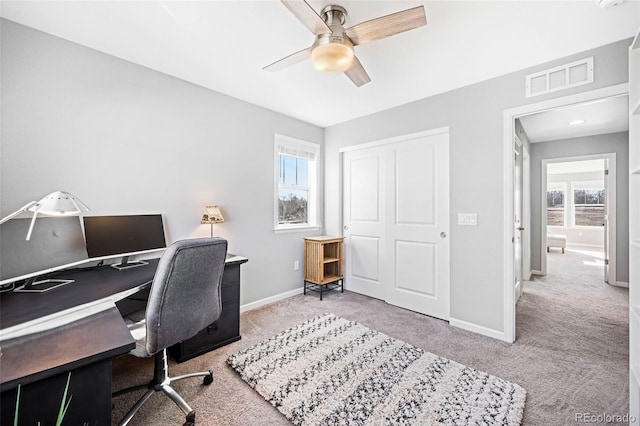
column 33, row 286
column 125, row 264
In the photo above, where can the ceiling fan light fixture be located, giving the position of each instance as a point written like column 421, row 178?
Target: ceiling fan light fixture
column 332, row 53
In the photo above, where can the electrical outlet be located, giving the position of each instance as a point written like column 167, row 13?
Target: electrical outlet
column 296, row 265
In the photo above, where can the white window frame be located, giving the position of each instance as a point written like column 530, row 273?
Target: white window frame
column 584, row 185
column 281, row 143
column 560, row 186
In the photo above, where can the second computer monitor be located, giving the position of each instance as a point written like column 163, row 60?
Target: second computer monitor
column 123, row 236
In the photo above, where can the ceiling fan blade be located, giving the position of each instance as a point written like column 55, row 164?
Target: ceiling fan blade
column 357, row 74
column 386, row 26
column 307, row 16
column 294, row 58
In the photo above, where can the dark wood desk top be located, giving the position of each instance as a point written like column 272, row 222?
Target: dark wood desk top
column 36, row 356
column 90, row 339
column 90, row 285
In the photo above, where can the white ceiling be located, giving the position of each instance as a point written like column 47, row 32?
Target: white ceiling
column 223, row 45
column 605, row 116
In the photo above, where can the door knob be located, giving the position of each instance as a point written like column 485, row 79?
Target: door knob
column 346, row 228
column 443, row 235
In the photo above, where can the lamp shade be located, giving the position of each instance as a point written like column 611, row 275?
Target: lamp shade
column 212, row 215
column 332, row 53
column 59, row 203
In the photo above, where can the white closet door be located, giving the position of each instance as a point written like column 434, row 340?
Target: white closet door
column 407, row 184
column 363, row 219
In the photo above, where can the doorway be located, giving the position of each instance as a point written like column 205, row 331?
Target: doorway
column 509, row 130
column 579, row 211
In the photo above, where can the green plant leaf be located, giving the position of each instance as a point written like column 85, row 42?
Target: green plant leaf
column 64, row 404
column 15, row 414
column 65, row 410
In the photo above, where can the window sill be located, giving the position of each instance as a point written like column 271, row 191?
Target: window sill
column 576, row 227
column 301, row 228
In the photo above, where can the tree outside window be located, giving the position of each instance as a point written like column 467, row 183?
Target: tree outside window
column 293, row 190
column 589, row 207
column 555, row 207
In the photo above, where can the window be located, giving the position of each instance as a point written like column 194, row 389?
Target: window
column 296, row 190
column 555, row 207
column 589, row 208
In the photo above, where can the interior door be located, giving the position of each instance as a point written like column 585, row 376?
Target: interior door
column 396, row 223
column 517, row 222
column 363, row 219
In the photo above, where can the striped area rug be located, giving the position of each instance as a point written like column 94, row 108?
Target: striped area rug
column 331, row 371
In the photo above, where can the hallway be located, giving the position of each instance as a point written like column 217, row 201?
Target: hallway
column 583, row 322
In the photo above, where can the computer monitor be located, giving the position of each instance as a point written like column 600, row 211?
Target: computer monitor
column 57, row 243
column 112, row 236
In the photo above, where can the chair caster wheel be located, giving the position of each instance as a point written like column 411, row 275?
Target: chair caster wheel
column 190, row 419
column 208, row 379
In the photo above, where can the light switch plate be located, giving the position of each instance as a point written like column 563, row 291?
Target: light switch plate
column 468, row 219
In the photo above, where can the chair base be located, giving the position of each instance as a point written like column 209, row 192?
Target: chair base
column 162, row 383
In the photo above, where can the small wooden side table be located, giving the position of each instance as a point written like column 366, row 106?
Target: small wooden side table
column 323, row 264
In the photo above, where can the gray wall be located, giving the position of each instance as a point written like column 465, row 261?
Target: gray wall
column 617, row 143
column 129, row 140
column 474, row 115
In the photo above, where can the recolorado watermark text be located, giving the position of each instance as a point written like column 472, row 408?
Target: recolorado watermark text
column 604, row 418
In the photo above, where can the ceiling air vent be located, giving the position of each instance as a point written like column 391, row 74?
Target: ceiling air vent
column 559, row 78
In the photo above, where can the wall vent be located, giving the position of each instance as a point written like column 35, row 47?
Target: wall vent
column 559, row 78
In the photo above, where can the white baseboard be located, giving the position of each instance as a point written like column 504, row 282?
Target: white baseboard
column 485, row 331
column 620, row 284
column 536, row 272
column 270, row 299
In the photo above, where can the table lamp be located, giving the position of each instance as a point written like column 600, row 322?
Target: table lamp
column 212, row 215
column 57, row 203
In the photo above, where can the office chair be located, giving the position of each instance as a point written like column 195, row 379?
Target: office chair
column 184, row 299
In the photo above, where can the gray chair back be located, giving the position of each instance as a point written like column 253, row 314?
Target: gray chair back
column 185, row 293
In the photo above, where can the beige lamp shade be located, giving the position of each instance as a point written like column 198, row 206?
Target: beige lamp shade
column 212, row 215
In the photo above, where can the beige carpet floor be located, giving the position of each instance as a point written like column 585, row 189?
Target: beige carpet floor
column 571, row 353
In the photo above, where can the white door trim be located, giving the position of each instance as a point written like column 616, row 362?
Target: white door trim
column 526, row 214
column 394, row 139
column 509, row 117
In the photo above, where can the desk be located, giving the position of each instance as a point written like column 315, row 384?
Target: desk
column 41, row 362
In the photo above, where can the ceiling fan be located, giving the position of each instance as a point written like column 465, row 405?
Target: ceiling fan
column 332, row 51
